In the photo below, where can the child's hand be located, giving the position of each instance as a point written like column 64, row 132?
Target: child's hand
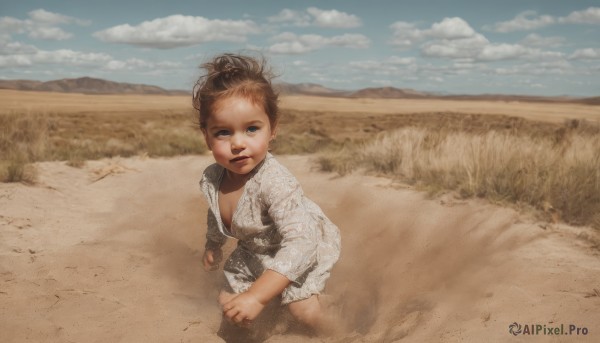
column 243, row 309
column 212, row 258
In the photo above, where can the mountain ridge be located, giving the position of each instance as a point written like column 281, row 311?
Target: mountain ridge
column 89, row 85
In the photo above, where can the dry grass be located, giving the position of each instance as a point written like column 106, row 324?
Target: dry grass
column 558, row 175
column 475, row 148
column 23, row 140
column 77, row 137
column 543, row 112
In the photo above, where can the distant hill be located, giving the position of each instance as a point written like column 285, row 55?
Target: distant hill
column 389, row 93
column 590, row 101
column 87, row 85
column 308, row 89
column 24, row 85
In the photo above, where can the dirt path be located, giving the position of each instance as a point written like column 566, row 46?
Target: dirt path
column 111, row 253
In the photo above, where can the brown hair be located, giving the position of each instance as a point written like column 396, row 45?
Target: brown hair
column 235, row 75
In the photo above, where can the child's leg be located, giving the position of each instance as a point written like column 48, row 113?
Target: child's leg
column 310, row 312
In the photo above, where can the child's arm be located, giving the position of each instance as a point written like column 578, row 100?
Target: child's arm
column 247, row 305
column 211, row 259
column 284, row 199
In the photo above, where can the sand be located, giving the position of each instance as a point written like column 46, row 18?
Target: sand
column 112, row 253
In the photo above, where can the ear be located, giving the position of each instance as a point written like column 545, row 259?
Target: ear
column 273, row 133
column 205, row 134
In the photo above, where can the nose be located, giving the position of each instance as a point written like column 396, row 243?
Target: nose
column 237, row 143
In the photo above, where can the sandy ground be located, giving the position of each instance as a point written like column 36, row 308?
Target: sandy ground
column 111, row 253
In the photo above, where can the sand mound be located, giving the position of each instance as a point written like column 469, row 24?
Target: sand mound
column 117, row 258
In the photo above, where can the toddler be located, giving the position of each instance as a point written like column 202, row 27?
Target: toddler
column 286, row 245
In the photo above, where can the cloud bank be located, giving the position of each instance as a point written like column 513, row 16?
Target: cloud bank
column 178, row 31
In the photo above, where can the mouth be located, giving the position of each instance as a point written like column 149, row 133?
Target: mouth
column 238, row 159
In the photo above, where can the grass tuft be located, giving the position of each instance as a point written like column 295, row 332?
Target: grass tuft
column 76, row 137
column 558, row 175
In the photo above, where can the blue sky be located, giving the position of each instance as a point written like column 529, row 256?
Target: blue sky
column 544, row 47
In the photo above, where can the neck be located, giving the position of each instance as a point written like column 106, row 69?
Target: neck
column 236, row 178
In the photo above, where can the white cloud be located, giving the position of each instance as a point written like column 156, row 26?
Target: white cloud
column 14, row 25
column 139, row 64
column 497, row 52
column 376, row 68
column 49, row 33
column 400, row 60
column 457, row 48
column 42, row 16
column 295, row 18
column 451, row 28
column 406, row 34
column 16, row 48
column 533, row 39
column 333, row 18
column 536, row 68
column 15, row 55
column 177, row 31
column 453, row 38
column 349, row 40
column 528, row 20
column 316, row 17
column 478, row 48
column 41, row 24
column 588, row 16
column 290, row 43
column 585, row 54
column 62, row 56
column 393, row 65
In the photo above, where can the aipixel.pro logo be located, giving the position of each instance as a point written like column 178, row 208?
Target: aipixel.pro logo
column 546, row 330
column 514, row 328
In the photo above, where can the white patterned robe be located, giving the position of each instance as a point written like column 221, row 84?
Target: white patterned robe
column 278, row 228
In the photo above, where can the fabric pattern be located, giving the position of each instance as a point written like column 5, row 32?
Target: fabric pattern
column 277, row 228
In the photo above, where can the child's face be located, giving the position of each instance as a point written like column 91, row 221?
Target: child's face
column 238, row 134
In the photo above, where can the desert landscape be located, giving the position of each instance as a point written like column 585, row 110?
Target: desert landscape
column 102, row 227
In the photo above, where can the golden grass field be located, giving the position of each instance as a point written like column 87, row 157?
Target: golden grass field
column 546, row 112
column 519, row 153
column 12, row 100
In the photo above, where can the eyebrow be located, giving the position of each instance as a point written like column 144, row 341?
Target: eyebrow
column 253, row 122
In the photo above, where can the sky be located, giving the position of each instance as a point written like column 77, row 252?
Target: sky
column 537, row 47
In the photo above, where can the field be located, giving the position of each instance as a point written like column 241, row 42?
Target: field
column 458, row 218
column 560, row 138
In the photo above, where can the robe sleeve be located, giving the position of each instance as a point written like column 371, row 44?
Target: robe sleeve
column 283, row 197
column 214, row 238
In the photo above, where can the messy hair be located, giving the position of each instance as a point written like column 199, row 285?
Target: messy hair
column 229, row 75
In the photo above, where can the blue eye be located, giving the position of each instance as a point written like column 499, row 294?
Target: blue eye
column 221, row 133
column 252, row 129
